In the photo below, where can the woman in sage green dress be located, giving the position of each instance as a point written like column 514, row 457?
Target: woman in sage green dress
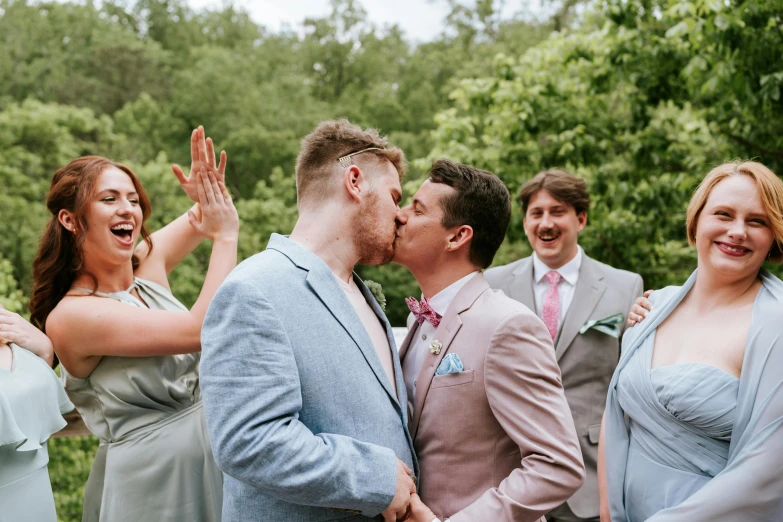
column 693, row 429
column 129, row 350
column 32, row 402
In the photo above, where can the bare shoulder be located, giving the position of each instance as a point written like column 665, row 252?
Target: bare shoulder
column 70, row 312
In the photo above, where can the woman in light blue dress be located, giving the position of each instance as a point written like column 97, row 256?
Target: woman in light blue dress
column 32, row 402
column 129, row 349
column 693, row 429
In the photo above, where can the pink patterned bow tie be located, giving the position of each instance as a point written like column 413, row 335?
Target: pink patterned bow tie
column 422, row 311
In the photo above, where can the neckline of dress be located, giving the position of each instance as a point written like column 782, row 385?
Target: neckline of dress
column 109, row 294
column 677, row 366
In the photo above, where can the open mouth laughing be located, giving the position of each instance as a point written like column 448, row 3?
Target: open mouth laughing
column 123, row 232
column 548, row 236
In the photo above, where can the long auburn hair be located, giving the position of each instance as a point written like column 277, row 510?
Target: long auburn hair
column 60, row 258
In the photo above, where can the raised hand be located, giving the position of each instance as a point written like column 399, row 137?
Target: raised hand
column 215, row 217
column 202, row 154
column 15, row 329
column 639, row 309
column 398, row 508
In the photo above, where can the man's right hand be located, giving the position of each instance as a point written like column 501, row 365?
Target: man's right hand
column 398, row 508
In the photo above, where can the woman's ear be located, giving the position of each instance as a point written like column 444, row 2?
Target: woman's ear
column 67, row 220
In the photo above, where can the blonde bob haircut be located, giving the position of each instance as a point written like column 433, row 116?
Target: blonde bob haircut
column 770, row 187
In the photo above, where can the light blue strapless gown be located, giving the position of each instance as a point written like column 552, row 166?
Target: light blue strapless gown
column 681, row 420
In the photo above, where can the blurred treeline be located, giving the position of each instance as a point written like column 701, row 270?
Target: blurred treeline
column 640, row 97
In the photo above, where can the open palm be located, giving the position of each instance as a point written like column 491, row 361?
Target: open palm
column 202, row 154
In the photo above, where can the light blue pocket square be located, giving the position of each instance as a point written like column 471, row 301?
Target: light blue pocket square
column 608, row 325
column 449, row 364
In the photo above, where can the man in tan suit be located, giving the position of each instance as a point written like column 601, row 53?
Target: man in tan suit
column 582, row 303
column 490, row 423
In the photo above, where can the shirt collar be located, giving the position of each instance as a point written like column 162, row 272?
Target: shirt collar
column 441, row 301
column 569, row 271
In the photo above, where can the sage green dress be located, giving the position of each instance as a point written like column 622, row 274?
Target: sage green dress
column 154, row 461
column 32, row 402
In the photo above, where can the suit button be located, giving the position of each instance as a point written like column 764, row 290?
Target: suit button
column 423, row 337
column 415, row 383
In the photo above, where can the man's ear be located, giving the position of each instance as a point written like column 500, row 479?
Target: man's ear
column 459, row 238
column 66, row 220
column 582, row 217
column 354, row 182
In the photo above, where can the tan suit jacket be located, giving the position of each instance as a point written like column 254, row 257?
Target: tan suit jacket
column 587, row 361
column 495, row 442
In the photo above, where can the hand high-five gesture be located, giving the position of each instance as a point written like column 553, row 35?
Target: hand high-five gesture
column 202, row 154
column 215, row 217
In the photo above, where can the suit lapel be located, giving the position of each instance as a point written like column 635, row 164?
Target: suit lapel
column 588, row 291
column 449, row 325
column 408, row 339
column 520, row 288
column 370, row 298
column 328, row 290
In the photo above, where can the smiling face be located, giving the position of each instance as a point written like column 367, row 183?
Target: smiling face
column 376, row 225
column 553, row 228
column 421, row 237
column 114, row 219
column 734, row 233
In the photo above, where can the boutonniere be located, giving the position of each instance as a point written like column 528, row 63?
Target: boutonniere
column 609, row 325
column 377, row 292
column 435, row 347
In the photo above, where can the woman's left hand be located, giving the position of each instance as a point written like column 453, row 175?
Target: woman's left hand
column 15, row 329
column 202, row 154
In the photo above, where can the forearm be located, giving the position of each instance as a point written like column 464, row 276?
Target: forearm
column 221, row 262
column 286, row 460
column 172, row 243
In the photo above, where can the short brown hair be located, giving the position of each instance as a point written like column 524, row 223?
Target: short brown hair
column 563, row 186
column 770, row 187
column 480, row 200
column 317, row 160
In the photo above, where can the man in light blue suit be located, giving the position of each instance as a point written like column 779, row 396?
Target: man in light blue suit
column 303, row 392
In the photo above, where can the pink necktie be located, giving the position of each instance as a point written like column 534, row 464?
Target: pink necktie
column 552, row 303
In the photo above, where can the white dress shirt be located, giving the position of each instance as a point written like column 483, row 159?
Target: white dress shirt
column 569, row 273
column 419, row 348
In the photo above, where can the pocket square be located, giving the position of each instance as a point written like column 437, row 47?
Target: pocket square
column 449, row 364
column 608, row 325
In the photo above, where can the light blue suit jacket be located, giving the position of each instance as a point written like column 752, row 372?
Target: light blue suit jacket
column 302, row 417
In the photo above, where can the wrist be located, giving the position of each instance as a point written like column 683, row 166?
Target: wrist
column 226, row 239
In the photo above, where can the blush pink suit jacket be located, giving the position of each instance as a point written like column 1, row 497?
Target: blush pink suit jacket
column 496, row 442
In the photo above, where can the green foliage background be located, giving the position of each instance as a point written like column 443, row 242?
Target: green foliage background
column 639, row 97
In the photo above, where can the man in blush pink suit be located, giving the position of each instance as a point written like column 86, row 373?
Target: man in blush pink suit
column 489, row 419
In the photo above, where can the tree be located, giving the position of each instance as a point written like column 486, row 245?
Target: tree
column 630, row 108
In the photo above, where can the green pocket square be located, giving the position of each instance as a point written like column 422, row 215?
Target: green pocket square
column 608, row 325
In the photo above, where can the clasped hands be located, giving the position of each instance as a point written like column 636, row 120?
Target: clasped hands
column 406, row 504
